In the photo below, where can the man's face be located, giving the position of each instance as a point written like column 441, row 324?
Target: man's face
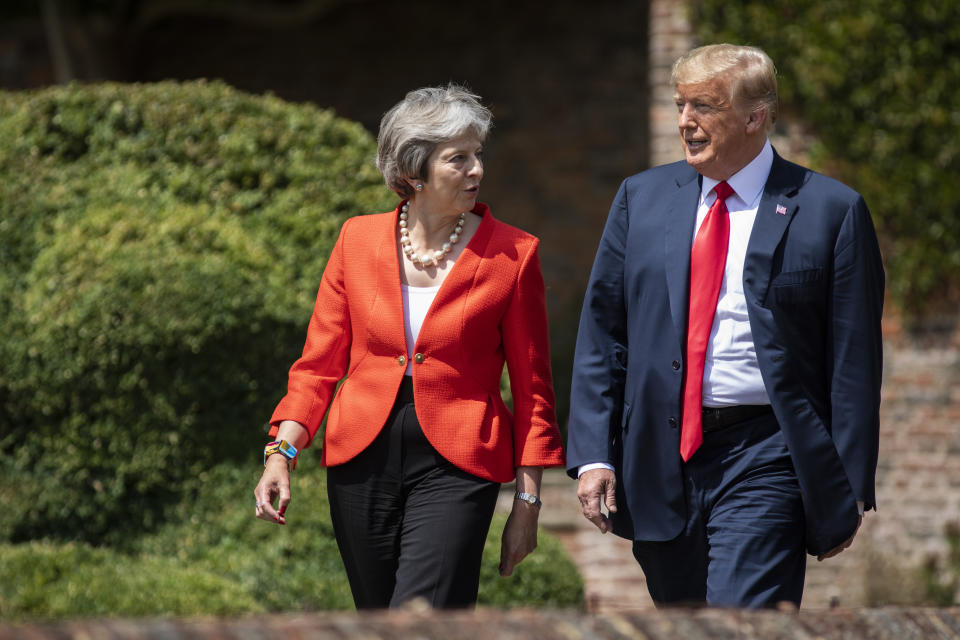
column 719, row 139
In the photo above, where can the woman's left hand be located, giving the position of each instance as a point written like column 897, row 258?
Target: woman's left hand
column 519, row 536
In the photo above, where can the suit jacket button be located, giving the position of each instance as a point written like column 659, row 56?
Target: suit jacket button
column 676, row 365
column 672, row 422
column 418, row 358
column 402, row 360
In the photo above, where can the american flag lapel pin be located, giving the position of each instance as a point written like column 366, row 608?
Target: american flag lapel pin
column 782, row 210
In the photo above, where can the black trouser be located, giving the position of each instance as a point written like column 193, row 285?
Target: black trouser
column 408, row 523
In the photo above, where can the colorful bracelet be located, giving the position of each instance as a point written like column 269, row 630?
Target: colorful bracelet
column 285, row 449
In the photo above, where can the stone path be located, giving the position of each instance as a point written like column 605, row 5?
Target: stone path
column 613, row 581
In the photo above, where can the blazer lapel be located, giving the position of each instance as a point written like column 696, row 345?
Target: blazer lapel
column 776, row 209
column 678, row 233
column 461, row 278
column 389, row 316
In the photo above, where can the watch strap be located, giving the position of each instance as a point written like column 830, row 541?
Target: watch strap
column 529, row 498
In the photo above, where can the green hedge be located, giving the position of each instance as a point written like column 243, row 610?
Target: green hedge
column 878, row 81
column 162, row 246
column 217, row 559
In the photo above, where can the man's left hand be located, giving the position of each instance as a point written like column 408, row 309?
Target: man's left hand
column 836, row 550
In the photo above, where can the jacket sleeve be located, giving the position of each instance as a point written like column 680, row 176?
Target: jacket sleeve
column 600, row 360
column 313, row 377
column 526, row 344
column 857, row 307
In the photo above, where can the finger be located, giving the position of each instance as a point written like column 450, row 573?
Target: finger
column 265, row 508
column 600, row 521
column 605, row 524
column 506, row 565
column 611, row 496
column 284, row 500
column 831, row 553
column 513, row 559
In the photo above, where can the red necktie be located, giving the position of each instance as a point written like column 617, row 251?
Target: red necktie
column 708, row 257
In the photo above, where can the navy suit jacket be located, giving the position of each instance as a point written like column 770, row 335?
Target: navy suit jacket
column 813, row 282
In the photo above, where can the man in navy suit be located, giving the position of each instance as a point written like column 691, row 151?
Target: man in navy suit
column 726, row 384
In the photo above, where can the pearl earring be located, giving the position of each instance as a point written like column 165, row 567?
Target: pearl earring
column 419, row 187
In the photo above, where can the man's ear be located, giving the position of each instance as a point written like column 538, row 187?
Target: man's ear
column 756, row 120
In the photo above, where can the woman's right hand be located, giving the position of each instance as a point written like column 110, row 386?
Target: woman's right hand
column 274, row 482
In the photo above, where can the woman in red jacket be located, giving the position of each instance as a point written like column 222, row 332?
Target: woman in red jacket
column 419, row 308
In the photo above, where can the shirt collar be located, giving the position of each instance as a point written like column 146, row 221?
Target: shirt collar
column 749, row 181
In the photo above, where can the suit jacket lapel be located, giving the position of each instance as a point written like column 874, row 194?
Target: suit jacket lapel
column 679, row 223
column 776, row 209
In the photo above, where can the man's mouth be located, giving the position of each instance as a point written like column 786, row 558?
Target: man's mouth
column 694, row 145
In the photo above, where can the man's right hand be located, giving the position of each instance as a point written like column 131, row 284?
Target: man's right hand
column 598, row 486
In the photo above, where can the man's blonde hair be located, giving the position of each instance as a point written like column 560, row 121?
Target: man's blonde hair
column 754, row 84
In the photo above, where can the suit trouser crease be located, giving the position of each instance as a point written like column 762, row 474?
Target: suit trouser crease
column 743, row 542
column 408, row 523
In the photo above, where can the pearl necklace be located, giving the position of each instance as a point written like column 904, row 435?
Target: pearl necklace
column 430, row 258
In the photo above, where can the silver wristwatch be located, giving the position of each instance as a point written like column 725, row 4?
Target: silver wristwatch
column 529, row 498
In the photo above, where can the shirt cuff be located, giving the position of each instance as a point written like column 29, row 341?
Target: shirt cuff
column 597, row 465
column 859, row 505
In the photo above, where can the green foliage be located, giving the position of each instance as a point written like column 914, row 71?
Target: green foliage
column 43, row 580
column 892, row 581
column 879, row 83
column 162, row 246
column 215, row 558
column 941, row 575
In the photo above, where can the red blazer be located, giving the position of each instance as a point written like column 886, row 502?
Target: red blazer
column 490, row 309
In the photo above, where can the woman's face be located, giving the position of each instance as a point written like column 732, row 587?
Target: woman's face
column 455, row 170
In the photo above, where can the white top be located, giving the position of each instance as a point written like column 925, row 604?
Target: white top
column 731, row 374
column 416, row 303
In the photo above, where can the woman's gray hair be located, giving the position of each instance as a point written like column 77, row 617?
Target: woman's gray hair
column 754, row 83
column 412, row 129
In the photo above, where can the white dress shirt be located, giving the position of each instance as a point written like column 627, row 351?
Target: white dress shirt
column 731, row 374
